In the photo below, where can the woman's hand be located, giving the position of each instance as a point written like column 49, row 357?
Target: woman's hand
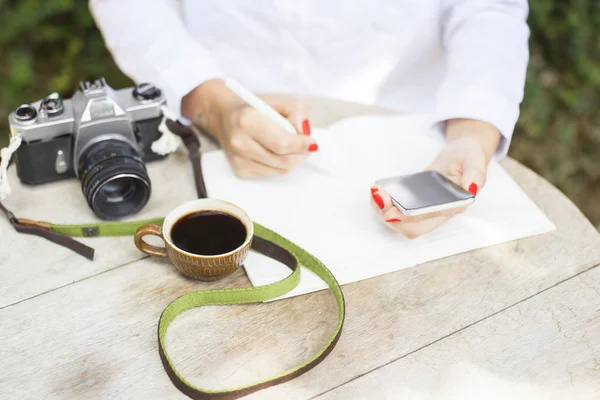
column 471, row 144
column 255, row 145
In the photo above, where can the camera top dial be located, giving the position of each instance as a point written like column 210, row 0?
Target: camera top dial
column 52, row 105
column 146, row 92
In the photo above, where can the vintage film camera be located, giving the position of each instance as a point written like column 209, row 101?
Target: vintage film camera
column 101, row 136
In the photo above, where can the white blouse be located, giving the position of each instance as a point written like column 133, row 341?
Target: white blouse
column 453, row 58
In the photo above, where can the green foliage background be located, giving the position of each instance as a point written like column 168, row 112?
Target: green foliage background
column 50, row 45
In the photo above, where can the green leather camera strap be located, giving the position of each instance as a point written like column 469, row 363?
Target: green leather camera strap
column 264, row 241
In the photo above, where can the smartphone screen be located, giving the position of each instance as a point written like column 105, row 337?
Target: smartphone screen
column 425, row 192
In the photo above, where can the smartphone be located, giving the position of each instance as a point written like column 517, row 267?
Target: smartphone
column 425, row 192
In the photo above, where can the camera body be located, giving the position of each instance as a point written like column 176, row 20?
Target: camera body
column 56, row 132
column 100, row 135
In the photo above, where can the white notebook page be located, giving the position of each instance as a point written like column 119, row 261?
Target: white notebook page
column 324, row 207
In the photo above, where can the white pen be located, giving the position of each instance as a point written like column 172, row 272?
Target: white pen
column 259, row 105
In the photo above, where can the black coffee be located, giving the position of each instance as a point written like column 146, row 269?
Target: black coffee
column 208, row 233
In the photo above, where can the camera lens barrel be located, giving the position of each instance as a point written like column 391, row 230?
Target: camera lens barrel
column 114, row 179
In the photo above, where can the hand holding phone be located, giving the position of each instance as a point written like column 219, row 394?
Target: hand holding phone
column 425, row 193
column 418, row 203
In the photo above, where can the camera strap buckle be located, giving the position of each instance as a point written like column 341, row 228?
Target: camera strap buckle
column 32, row 223
column 42, row 229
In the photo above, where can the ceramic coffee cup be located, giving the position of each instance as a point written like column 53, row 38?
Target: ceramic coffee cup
column 197, row 266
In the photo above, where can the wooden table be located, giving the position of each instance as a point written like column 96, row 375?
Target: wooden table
column 521, row 319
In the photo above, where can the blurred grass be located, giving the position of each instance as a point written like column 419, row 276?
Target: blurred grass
column 558, row 133
column 51, row 45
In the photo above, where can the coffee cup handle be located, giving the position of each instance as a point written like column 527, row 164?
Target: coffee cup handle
column 144, row 247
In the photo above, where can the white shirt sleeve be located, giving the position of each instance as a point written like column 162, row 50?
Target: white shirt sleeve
column 150, row 43
column 486, row 45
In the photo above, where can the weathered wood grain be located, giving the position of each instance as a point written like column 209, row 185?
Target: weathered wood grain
column 547, row 347
column 96, row 338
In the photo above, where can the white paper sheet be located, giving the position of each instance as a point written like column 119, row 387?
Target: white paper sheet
column 324, row 207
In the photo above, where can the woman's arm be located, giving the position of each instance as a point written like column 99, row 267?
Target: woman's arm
column 150, row 43
column 487, row 135
column 486, row 45
column 487, row 55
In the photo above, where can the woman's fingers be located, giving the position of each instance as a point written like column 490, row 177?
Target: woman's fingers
column 381, row 198
column 474, row 173
column 413, row 230
column 393, row 215
column 254, row 151
column 272, row 136
column 275, row 139
column 295, row 110
column 248, row 169
column 259, row 142
column 409, row 226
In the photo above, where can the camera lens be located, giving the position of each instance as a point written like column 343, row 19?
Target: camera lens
column 25, row 112
column 119, row 189
column 114, row 179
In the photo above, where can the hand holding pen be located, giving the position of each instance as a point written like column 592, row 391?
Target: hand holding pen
column 266, row 135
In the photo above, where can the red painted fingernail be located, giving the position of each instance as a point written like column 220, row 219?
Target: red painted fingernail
column 392, row 220
column 473, row 189
column 313, row 147
column 378, row 200
column 374, row 190
column 306, row 127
